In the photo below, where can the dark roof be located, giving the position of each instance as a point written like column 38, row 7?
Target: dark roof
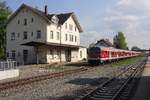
column 62, row 17
column 104, row 42
column 36, row 44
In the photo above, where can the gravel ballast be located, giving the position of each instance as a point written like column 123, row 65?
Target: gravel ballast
column 62, row 88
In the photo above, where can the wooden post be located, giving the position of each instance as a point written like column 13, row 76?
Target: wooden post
column 60, row 45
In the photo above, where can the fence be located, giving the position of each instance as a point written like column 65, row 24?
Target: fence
column 6, row 65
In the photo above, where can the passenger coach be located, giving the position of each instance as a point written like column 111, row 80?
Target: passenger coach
column 98, row 55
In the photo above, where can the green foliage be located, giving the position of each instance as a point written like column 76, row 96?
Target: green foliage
column 4, row 13
column 126, row 61
column 120, row 41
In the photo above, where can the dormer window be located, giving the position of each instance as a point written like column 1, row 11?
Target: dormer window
column 54, row 19
column 70, row 27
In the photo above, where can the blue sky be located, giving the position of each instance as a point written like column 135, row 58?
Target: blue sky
column 102, row 18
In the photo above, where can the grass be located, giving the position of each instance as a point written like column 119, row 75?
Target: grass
column 57, row 68
column 126, row 61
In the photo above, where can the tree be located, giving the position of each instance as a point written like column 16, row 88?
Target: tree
column 120, row 41
column 135, row 48
column 4, row 13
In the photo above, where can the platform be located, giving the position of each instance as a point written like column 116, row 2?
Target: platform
column 9, row 74
column 143, row 89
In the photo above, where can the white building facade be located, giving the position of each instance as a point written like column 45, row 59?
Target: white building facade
column 34, row 36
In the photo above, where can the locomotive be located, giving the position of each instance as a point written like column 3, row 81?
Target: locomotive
column 100, row 54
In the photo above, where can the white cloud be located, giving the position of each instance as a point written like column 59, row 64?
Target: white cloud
column 132, row 17
column 90, row 37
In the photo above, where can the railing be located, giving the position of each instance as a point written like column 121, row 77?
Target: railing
column 8, row 64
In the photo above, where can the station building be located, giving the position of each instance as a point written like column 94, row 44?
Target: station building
column 34, row 36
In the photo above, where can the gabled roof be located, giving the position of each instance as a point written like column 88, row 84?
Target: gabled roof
column 104, row 42
column 62, row 17
column 38, row 12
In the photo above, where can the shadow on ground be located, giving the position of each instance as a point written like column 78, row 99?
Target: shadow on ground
column 78, row 64
column 87, row 81
column 141, row 90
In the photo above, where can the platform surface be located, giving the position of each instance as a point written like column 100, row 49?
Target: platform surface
column 143, row 89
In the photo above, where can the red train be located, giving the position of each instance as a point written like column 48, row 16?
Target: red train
column 98, row 55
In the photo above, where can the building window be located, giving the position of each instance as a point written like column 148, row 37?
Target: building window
column 72, row 38
column 66, row 37
column 51, row 35
column 7, row 54
column 80, row 54
column 25, row 55
column 18, row 35
column 25, row 21
column 38, row 34
column 66, row 25
column 70, row 27
column 25, row 35
column 69, row 37
column 18, row 21
column 75, row 38
column 32, row 20
column 18, row 54
column 13, row 54
column 75, row 28
column 58, row 54
column 32, row 34
column 13, row 36
column 58, row 35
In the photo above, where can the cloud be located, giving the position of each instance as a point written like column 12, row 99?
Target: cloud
column 90, row 37
column 132, row 17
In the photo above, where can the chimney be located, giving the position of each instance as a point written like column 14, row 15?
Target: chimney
column 45, row 10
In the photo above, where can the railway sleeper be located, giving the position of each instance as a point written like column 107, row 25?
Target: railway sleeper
column 107, row 91
column 98, row 98
column 104, row 95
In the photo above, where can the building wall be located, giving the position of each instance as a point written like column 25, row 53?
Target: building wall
column 82, row 53
column 63, row 31
column 17, row 26
column 13, row 26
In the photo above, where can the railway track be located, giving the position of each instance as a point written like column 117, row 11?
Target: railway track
column 118, row 87
column 29, row 80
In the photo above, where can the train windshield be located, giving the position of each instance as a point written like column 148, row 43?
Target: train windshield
column 94, row 51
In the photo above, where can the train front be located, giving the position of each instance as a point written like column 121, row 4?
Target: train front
column 94, row 55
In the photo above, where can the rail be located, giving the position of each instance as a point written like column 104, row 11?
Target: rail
column 111, row 89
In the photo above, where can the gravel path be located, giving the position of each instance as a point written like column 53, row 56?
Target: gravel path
column 63, row 88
